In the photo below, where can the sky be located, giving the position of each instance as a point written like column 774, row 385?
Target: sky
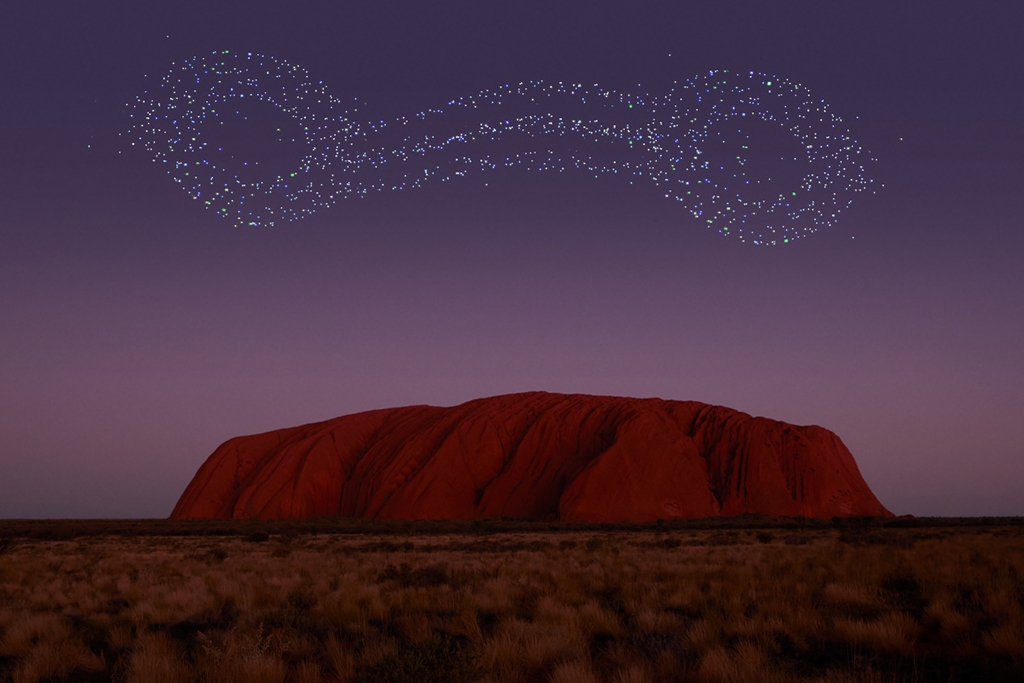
column 140, row 328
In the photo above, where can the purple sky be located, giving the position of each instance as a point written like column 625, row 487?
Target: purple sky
column 138, row 331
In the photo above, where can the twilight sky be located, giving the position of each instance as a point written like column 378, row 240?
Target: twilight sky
column 139, row 330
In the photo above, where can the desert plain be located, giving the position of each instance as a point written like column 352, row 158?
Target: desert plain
column 507, row 601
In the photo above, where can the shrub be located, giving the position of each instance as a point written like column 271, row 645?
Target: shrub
column 217, row 554
column 902, row 589
column 439, row 659
column 430, row 575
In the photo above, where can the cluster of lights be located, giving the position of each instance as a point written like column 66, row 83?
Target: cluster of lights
column 747, row 154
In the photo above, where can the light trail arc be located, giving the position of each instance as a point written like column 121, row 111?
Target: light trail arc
column 747, row 154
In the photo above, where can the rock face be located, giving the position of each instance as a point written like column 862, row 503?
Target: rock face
column 537, row 455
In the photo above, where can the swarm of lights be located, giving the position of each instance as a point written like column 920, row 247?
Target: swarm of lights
column 747, row 154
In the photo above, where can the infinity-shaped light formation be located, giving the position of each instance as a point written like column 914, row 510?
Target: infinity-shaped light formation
column 749, row 155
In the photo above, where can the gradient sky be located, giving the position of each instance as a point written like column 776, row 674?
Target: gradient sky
column 138, row 331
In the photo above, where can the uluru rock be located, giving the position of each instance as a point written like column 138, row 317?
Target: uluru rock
column 536, row 455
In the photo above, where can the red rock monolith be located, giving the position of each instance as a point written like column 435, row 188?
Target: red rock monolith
column 536, row 455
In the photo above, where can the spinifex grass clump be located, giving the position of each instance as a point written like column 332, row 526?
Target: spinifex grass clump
column 627, row 605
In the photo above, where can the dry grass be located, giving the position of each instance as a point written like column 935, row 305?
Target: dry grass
column 619, row 606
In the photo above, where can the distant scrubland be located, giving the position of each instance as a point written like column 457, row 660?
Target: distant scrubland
column 512, row 602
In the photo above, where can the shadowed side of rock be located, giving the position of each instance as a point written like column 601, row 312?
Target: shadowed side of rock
column 535, row 455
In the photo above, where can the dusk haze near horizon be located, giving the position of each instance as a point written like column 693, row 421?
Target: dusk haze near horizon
column 142, row 327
